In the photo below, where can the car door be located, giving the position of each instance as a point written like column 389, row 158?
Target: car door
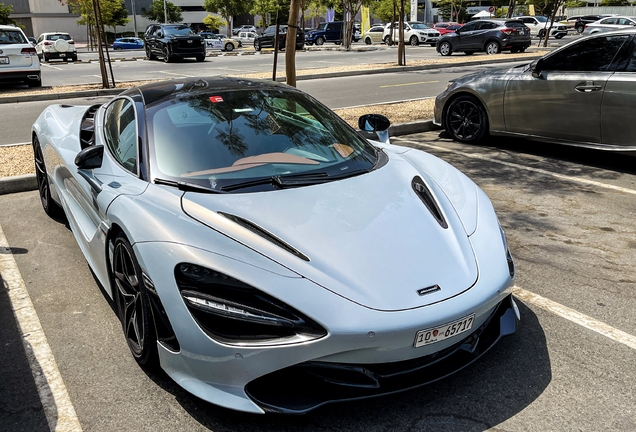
column 532, row 24
column 466, row 38
column 619, row 101
column 563, row 99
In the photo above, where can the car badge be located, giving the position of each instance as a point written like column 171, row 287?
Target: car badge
column 429, row 290
column 190, row 41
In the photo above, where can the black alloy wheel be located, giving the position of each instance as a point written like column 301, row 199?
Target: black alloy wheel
column 149, row 54
column 466, row 120
column 50, row 207
column 229, row 47
column 166, row 55
column 257, row 46
column 133, row 305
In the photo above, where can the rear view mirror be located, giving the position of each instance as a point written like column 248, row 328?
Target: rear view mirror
column 536, row 68
column 91, row 157
column 373, row 123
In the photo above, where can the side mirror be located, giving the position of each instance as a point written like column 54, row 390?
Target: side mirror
column 536, row 68
column 160, row 35
column 375, row 123
column 91, row 157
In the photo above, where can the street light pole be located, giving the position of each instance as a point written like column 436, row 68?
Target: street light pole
column 134, row 14
column 165, row 13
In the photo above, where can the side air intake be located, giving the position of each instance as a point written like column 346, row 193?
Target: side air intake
column 265, row 234
column 427, row 198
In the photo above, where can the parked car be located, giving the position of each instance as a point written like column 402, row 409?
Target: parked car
column 415, row 33
column 18, row 60
column 374, row 35
column 216, row 41
column 489, row 35
column 579, row 26
column 590, row 85
column 452, row 28
column 609, row 24
column 244, row 28
column 246, row 38
column 128, row 43
column 266, row 40
column 172, row 42
column 230, row 223
column 325, row 32
column 539, row 25
column 56, row 46
column 32, row 40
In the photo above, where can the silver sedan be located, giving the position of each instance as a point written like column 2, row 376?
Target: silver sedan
column 583, row 94
column 609, row 24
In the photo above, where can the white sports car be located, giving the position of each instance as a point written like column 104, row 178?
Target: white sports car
column 267, row 255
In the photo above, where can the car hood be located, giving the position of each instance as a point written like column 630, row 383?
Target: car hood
column 370, row 238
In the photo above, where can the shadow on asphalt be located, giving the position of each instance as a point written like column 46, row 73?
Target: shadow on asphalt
column 485, row 394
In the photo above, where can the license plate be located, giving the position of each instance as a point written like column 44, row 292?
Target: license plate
column 62, row 55
column 4, row 60
column 438, row 334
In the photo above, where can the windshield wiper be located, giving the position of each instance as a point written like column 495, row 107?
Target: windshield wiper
column 187, row 187
column 294, row 180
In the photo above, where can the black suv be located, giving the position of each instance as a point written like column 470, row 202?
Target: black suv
column 173, row 41
column 489, row 35
column 266, row 40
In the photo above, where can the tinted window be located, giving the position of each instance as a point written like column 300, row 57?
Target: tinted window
column 178, row 30
column 12, row 37
column 590, row 55
column 58, row 36
column 469, row 27
column 120, row 132
column 610, row 21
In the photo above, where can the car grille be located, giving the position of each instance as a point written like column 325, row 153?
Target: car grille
column 303, row 387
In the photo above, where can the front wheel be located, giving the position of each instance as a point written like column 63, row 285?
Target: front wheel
column 149, row 54
column 133, row 304
column 229, row 47
column 166, row 55
column 387, row 40
column 320, row 40
column 542, row 33
column 579, row 29
column 368, row 41
column 445, row 49
column 493, row 47
column 466, row 120
column 559, row 36
column 257, row 46
column 118, row 48
column 50, row 207
column 414, row 41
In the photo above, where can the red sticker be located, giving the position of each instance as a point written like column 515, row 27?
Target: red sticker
column 215, row 99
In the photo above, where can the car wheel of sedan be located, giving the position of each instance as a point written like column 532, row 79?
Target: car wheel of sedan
column 414, row 41
column 320, row 40
column 257, row 46
column 579, row 29
column 387, row 40
column 368, row 41
column 133, row 304
column 466, row 119
column 166, row 55
column 559, row 36
column 445, row 49
column 118, row 48
column 50, row 207
column 229, row 47
column 542, row 33
column 493, row 47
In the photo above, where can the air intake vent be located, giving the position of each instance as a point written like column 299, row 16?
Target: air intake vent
column 426, row 196
column 265, row 234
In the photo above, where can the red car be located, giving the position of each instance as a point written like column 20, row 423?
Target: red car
column 447, row 27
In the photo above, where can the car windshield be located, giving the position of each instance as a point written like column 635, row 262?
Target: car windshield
column 222, row 139
column 419, row 26
column 12, row 37
column 58, row 36
column 178, row 31
column 541, row 18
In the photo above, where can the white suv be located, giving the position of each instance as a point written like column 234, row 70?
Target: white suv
column 415, row 33
column 18, row 61
column 57, row 45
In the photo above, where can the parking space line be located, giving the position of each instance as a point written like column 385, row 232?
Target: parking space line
column 575, row 317
column 59, row 411
column 527, row 168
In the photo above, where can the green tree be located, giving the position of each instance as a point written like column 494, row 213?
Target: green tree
column 214, row 22
column 5, row 11
column 227, row 9
column 575, row 4
column 383, row 9
column 156, row 12
column 118, row 15
column 446, row 8
column 615, row 3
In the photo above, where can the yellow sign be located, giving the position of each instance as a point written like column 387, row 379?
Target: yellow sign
column 366, row 21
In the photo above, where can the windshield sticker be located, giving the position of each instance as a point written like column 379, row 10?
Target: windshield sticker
column 215, row 99
column 239, row 110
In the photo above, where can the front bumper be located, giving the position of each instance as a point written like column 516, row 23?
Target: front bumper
column 306, row 386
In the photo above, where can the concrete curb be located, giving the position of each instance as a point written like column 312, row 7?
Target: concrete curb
column 115, row 91
column 28, row 182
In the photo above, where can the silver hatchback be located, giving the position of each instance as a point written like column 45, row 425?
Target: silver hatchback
column 582, row 94
column 18, row 60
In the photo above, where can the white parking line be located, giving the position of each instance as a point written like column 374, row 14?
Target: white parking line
column 50, row 66
column 527, row 168
column 59, row 411
column 575, row 317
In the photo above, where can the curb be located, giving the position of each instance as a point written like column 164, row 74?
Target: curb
column 28, row 182
column 116, row 91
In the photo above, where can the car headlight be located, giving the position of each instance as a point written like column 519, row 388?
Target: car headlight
column 235, row 313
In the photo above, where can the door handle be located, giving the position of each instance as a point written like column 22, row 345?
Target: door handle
column 588, row 87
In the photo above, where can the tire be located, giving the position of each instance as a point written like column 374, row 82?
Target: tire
column 445, row 48
column 414, row 41
column 579, row 29
column 257, row 46
column 492, row 47
column 468, row 53
column 118, row 48
column 35, row 84
column 229, row 47
column 368, row 41
column 542, row 33
column 149, row 54
column 387, row 40
column 200, row 58
column 133, row 304
column 466, row 120
column 559, row 36
column 166, row 55
column 320, row 40
column 51, row 208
